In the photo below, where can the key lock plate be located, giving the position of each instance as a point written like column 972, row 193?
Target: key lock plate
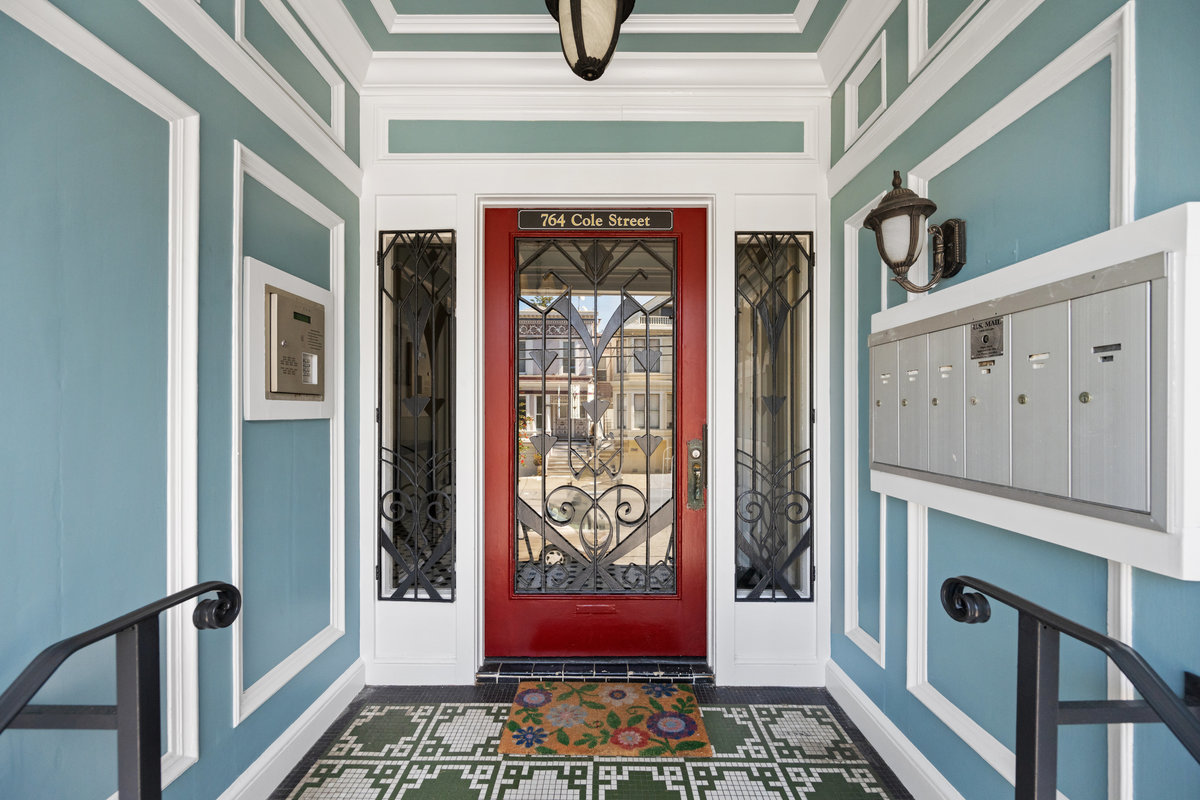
column 697, row 471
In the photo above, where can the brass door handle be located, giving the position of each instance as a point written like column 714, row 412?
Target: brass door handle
column 696, row 477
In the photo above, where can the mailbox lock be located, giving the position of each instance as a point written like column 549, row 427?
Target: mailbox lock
column 904, row 402
column 934, row 401
column 974, row 401
column 878, row 403
column 1085, row 397
column 1022, row 399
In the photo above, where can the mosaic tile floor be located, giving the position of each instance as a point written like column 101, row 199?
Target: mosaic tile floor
column 439, row 743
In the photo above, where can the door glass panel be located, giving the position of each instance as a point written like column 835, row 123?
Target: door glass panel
column 416, row 415
column 774, row 416
column 595, row 502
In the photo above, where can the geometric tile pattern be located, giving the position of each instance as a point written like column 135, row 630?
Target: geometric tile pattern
column 448, row 751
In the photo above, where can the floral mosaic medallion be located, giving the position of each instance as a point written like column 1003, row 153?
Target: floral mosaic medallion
column 644, row 720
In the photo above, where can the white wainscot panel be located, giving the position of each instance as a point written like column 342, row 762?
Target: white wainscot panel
column 416, row 643
column 774, row 645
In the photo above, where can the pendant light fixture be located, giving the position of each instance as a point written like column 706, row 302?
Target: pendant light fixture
column 589, row 30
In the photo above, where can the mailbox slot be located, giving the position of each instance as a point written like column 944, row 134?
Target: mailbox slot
column 946, row 432
column 1041, row 400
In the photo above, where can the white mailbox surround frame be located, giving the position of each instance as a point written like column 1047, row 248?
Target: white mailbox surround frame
column 1167, row 542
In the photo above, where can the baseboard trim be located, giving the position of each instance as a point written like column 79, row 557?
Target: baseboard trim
column 913, row 769
column 268, row 770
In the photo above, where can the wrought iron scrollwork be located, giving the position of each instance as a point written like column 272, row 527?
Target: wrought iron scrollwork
column 964, row 606
column 594, row 496
column 416, row 402
column 774, row 426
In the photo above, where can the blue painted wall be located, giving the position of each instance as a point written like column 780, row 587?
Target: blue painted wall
column 83, row 211
column 1041, row 183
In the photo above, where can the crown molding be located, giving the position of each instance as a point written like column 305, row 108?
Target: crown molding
column 544, row 76
column 852, row 33
column 803, row 12
column 454, row 24
column 332, row 25
column 201, row 33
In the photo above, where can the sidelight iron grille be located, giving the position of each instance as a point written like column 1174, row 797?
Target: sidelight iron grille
column 594, row 393
column 774, row 417
column 416, row 415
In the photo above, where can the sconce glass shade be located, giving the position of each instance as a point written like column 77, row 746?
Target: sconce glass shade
column 899, row 225
column 897, row 235
column 589, row 31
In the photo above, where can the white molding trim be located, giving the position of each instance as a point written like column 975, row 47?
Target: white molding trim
column 1110, row 39
column 980, row 36
column 247, row 164
column 877, row 54
column 875, row 649
column 909, row 764
column 851, row 34
column 337, row 31
column 456, row 24
column 400, row 195
column 1120, row 627
column 920, row 52
column 200, row 32
column 335, row 126
column 270, row 768
column 988, row 747
column 526, row 76
column 182, row 683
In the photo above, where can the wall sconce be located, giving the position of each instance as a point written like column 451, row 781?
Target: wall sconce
column 899, row 225
column 589, row 30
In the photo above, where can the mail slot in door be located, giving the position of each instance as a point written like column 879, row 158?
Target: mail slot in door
column 1110, row 397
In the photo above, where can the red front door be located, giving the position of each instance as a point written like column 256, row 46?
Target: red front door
column 594, row 385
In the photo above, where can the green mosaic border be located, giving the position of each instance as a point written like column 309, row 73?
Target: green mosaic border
column 447, row 751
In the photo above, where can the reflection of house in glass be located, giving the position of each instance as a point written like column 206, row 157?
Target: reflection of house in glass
column 632, row 387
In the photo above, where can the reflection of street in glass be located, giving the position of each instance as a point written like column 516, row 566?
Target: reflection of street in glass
column 591, row 530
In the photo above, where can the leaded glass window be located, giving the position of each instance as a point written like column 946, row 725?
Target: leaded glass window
column 774, row 417
column 416, row 415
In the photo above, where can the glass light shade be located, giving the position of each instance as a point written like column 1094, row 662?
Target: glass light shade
column 589, row 30
column 897, row 233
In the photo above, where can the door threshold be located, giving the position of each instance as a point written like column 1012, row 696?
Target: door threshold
column 608, row 670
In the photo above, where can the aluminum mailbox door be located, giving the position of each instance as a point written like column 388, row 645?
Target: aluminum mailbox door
column 946, row 432
column 914, row 403
column 1110, row 397
column 885, row 401
column 1041, row 406
column 987, row 415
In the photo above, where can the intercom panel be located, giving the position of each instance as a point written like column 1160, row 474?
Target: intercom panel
column 295, row 344
column 289, row 334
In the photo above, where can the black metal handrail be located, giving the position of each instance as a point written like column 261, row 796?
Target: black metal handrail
column 1040, row 712
column 135, row 717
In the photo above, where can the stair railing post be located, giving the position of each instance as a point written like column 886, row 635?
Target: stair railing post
column 139, row 726
column 1037, row 709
